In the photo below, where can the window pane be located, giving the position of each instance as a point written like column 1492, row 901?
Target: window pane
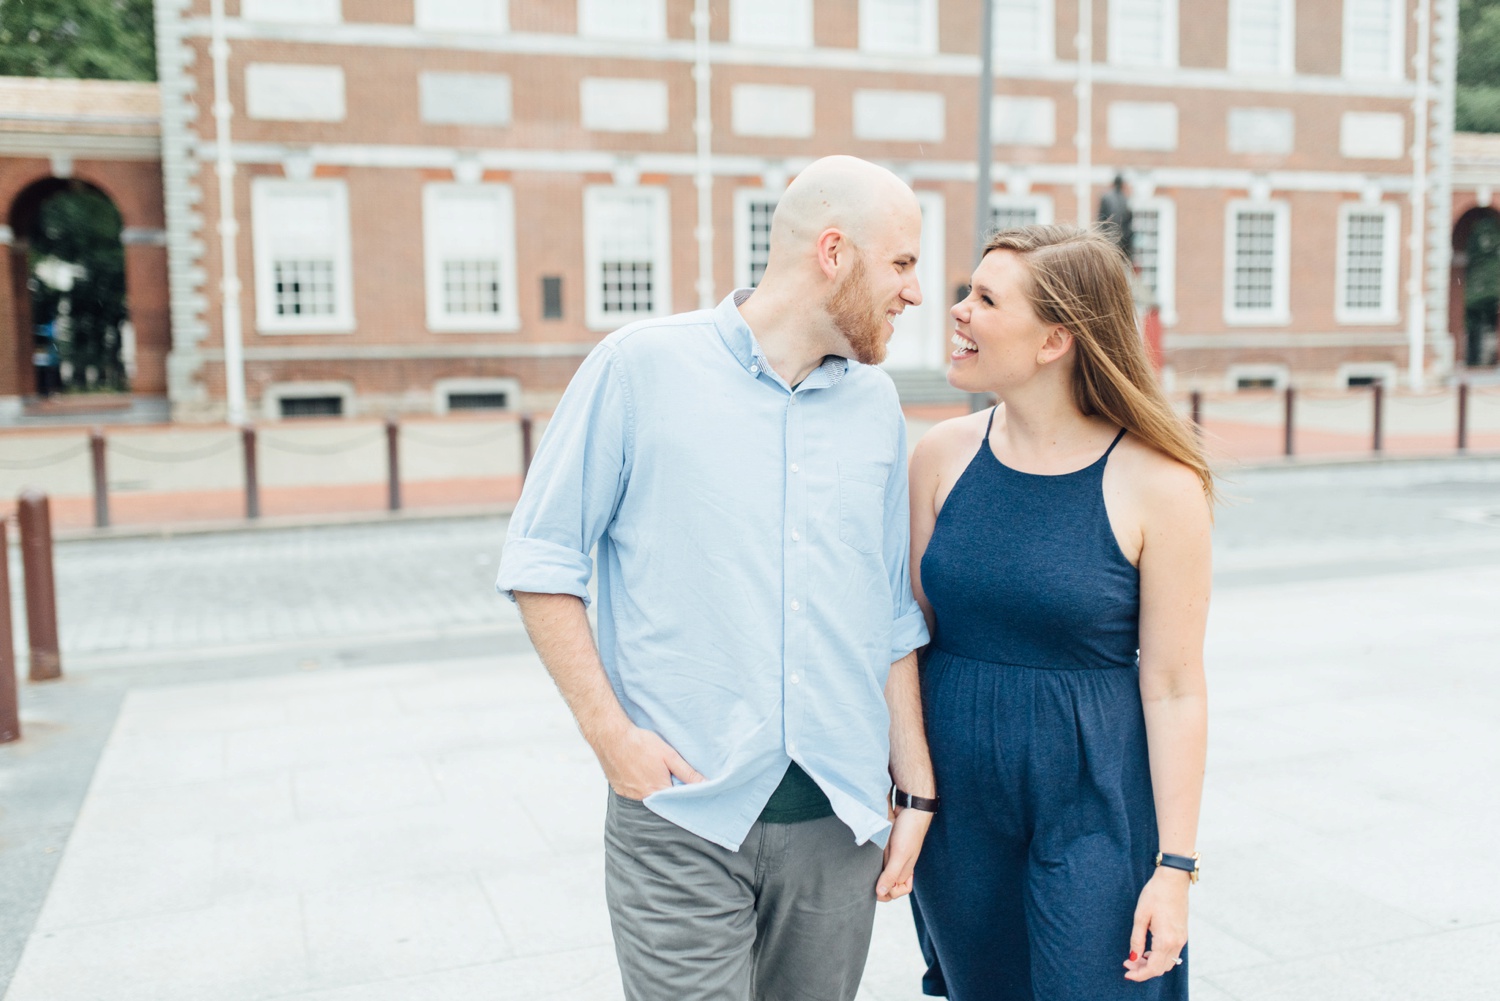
column 760, row 239
column 1012, row 216
column 1255, row 261
column 1369, row 26
column 1023, row 29
column 1364, row 269
column 1257, row 35
column 1138, row 32
column 303, row 287
column 1145, row 249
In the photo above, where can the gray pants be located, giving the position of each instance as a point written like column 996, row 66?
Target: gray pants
column 786, row 918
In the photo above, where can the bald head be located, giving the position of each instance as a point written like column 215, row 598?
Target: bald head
column 845, row 193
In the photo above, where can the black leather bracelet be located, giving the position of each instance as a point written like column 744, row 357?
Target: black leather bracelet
column 1187, row 863
column 907, row 801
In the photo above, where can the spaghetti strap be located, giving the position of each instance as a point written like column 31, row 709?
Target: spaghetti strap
column 1112, row 445
column 991, row 423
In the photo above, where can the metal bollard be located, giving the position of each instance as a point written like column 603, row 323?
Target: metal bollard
column 525, row 446
column 1197, row 405
column 1377, row 442
column 393, row 463
column 101, row 478
column 34, row 514
column 1290, row 407
column 10, row 709
column 1463, row 416
column 252, row 476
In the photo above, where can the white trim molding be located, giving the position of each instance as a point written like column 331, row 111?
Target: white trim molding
column 309, row 262
column 749, row 252
column 626, row 226
column 469, row 257
column 1166, row 252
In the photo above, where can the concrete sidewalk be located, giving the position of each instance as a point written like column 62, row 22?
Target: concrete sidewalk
column 433, row 830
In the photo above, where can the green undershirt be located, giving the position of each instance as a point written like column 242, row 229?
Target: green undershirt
column 796, row 799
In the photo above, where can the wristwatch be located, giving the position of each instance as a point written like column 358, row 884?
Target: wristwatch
column 907, row 801
column 1187, row 863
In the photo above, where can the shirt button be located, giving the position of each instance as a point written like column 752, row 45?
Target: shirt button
column 755, row 370
column 796, row 605
column 794, row 679
column 796, row 535
column 791, row 747
column 794, row 401
column 796, row 468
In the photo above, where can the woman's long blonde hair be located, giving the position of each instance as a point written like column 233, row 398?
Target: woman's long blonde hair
column 1078, row 279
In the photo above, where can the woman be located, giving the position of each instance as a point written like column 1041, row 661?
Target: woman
column 1060, row 545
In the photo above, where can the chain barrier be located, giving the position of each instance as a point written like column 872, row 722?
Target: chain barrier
column 186, row 455
column 348, row 445
column 46, row 460
column 492, row 436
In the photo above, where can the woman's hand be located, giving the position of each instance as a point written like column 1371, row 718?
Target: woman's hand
column 1163, row 911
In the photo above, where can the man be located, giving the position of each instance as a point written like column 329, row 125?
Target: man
column 742, row 471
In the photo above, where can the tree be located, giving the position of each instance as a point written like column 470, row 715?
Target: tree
column 1478, row 98
column 86, row 39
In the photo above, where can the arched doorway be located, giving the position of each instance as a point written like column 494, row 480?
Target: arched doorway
column 68, row 277
column 1476, row 286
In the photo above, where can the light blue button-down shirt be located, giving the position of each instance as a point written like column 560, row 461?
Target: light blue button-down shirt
column 752, row 557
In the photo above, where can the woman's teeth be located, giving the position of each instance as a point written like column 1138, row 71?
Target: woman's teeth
column 963, row 343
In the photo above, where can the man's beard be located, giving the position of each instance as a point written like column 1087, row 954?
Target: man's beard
column 853, row 314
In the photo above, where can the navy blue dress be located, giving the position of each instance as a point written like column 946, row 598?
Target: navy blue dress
column 1027, row 883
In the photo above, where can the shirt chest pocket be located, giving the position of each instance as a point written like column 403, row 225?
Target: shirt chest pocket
column 862, row 504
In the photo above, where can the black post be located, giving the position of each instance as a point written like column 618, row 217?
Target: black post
column 10, row 709
column 101, row 478
column 1378, row 417
column 1197, row 404
column 393, row 463
column 252, row 477
column 1463, row 416
column 525, row 446
column 1291, row 397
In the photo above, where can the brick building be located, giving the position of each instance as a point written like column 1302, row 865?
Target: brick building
column 419, row 205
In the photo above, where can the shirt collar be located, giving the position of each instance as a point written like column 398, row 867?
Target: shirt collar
column 741, row 342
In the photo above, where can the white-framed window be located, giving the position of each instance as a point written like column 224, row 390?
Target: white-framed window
column 294, row 92
column 752, row 235
column 1260, row 375
column 920, row 340
column 1025, row 31
column 288, row 400
column 1261, row 35
column 771, row 23
column 463, row 15
column 1366, row 373
column 771, row 110
column 292, row 11
column 627, row 257
column 303, row 276
column 1367, row 263
column 1143, row 32
column 481, row 394
column 1374, row 39
column 632, row 20
column 1154, row 251
column 906, row 26
column 1009, row 211
column 469, row 245
column 1257, row 262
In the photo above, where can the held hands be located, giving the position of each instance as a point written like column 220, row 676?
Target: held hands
column 1162, row 910
column 638, row 763
column 908, row 829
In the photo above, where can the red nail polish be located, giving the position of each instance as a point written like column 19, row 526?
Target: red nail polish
column 1132, row 956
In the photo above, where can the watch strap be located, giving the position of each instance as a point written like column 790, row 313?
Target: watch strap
column 1187, row 863
column 907, row 801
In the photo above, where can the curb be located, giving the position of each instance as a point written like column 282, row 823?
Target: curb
column 283, row 522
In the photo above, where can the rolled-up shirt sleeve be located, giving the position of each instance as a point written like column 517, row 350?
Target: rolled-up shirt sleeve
column 574, row 485
column 908, row 627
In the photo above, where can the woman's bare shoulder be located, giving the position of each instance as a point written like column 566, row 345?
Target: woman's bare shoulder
column 953, row 438
column 1166, row 486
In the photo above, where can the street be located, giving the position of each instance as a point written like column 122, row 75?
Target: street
column 322, row 764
